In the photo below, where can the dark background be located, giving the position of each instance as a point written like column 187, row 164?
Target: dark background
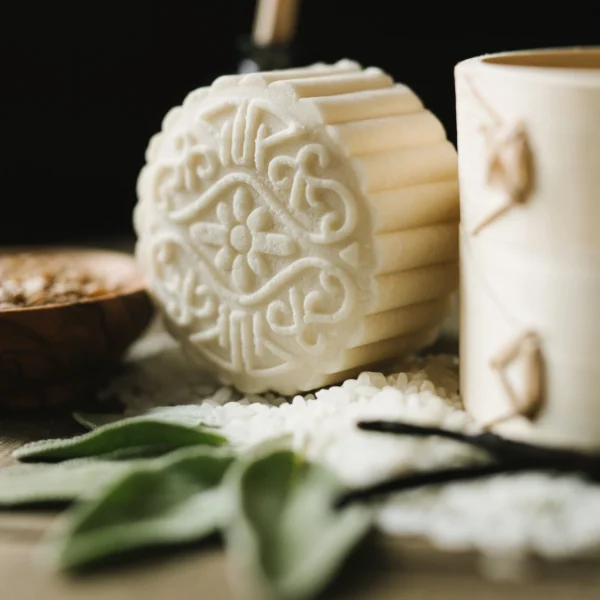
column 85, row 84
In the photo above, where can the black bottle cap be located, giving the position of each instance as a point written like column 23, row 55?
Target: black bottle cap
column 263, row 58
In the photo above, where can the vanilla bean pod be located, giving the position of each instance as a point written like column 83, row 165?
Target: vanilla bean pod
column 508, row 456
column 417, row 480
column 501, row 449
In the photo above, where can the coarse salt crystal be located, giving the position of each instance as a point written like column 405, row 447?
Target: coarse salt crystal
column 552, row 516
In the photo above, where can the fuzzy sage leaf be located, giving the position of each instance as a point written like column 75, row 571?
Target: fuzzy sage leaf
column 172, row 500
column 131, row 433
column 27, row 485
column 286, row 536
column 188, row 415
column 95, row 420
column 77, row 479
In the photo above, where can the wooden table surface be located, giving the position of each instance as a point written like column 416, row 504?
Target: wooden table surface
column 390, row 569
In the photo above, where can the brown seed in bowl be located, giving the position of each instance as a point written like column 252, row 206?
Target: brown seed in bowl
column 32, row 279
column 62, row 349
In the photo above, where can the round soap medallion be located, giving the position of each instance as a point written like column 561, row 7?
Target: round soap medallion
column 257, row 235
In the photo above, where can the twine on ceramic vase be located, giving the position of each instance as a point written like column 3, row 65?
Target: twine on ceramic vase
column 527, row 346
column 510, row 169
column 510, row 160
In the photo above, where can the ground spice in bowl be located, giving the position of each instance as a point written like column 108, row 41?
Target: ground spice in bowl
column 67, row 316
column 28, row 280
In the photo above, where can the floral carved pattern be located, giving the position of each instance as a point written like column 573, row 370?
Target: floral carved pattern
column 254, row 250
column 243, row 238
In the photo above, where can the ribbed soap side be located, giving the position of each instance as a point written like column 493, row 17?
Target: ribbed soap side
column 407, row 171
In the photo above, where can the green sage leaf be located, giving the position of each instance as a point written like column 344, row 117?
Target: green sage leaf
column 131, row 433
column 188, row 415
column 173, row 500
column 95, row 420
column 287, row 540
column 25, row 485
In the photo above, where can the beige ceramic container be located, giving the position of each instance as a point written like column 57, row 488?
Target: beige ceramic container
column 529, row 162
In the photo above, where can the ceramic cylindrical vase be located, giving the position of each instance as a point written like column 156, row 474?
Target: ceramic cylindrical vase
column 529, row 160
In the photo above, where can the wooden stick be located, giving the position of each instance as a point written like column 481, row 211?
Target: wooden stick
column 274, row 22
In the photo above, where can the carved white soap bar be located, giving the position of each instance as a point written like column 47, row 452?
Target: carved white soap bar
column 298, row 225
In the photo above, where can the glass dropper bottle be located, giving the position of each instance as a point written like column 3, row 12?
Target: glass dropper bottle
column 269, row 46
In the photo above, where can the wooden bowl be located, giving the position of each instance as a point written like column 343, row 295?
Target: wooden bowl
column 60, row 355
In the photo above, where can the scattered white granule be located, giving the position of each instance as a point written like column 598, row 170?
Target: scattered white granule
column 555, row 517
